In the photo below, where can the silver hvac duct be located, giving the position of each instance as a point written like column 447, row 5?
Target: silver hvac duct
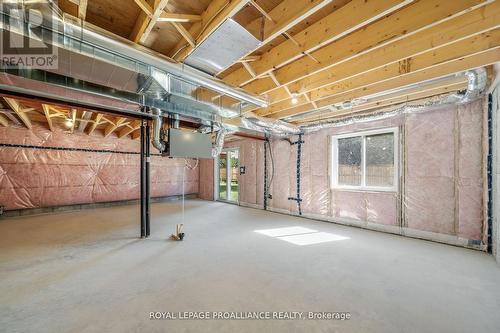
column 89, row 54
column 477, row 81
column 273, row 127
column 157, row 142
column 86, row 33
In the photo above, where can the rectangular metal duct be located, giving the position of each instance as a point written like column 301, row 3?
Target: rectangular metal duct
column 226, row 45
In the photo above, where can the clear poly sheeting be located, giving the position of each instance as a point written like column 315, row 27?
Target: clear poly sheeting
column 32, row 178
column 440, row 189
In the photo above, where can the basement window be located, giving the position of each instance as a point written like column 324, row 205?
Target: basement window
column 365, row 160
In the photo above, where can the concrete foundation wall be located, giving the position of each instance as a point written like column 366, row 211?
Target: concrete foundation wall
column 440, row 196
column 33, row 178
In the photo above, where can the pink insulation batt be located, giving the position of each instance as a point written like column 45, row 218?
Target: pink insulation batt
column 441, row 174
column 32, row 178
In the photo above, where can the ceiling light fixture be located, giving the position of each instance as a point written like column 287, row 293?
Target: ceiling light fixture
column 295, row 100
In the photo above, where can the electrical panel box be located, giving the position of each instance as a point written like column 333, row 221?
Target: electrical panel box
column 189, row 144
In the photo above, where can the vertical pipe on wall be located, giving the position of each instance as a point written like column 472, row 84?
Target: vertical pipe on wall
column 489, row 171
column 143, row 174
column 148, row 179
column 266, row 142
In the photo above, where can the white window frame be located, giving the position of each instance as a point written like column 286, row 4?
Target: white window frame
column 363, row 187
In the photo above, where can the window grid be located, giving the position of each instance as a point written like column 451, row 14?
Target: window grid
column 334, row 163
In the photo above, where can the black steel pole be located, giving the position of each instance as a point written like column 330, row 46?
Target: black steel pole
column 143, row 175
column 148, row 180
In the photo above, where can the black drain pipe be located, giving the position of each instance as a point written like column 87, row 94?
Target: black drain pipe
column 489, row 172
column 148, row 180
column 143, row 182
column 299, row 156
column 266, row 142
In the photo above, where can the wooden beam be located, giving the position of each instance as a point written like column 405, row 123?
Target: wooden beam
column 215, row 14
column 141, row 24
column 172, row 17
column 19, row 110
column 475, row 23
column 136, row 134
column 46, row 111
column 135, row 125
column 82, row 9
column 339, row 23
column 86, row 115
column 465, row 47
column 113, row 126
column 4, row 121
column 261, row 10
column 287, row 14
column 184, row 33
column 250, row 58
column 158, row 10
column 477, row 60
column 145, row 7
column 439, row 88
column 418, row 21
column 73, row 120
column 96, row 122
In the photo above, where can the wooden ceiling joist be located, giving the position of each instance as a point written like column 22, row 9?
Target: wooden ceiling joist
column 134, row 126
column 20, row 111
column 418, row 22
column 261, row 10
column 348, row 18
column 158, row 10
column 172, row 17
column 440, row 56
column 146, row 8
column 184, row 33
column 474, row 23
column 215, row 14
column 73, row 121
column 458, row 65
column 86, row 115
column 407, row 95
column 82, row 9
column 46, row 111
column 119, row 122
column 96, row 122
column 3, row 121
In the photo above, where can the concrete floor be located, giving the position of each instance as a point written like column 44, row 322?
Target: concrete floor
column 86, row 271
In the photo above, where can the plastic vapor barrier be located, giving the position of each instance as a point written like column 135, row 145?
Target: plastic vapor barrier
column 32, row 178
column 440, row 190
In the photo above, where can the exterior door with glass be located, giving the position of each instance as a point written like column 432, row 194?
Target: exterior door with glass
column 228, row 182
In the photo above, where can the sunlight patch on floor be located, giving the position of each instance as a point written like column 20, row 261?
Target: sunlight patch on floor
column 301, row 235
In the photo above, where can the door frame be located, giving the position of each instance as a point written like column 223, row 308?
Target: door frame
column 228, row 176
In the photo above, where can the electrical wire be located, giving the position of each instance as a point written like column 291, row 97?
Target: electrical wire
column 272, row 165
column 190, row 167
